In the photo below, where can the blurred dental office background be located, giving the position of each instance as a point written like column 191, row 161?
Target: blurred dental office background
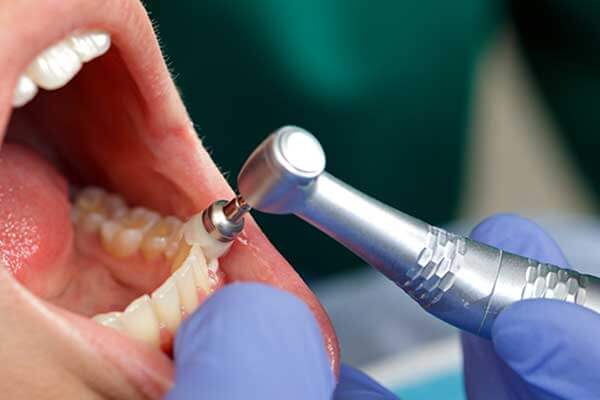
column 449, row 111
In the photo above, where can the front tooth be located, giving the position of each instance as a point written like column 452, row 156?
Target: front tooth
column 111, row 320
column 213, row 265
column 55, row 67
column 200, row 269
column 195, row 233
column 90, row 45
column 166, row 304
column 25, row 91
column 188, row 295
column 140, row 322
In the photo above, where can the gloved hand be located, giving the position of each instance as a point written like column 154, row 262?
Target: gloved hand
column 540, row 349
column 250, row 341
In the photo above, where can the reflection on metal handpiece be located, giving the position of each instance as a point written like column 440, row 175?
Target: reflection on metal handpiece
column 461, row 281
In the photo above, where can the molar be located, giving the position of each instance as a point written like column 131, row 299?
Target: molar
column 140, row 218
column 160, row 237
column 91, row 222
column 122, row 237
column 114, row 206
column 118, row 241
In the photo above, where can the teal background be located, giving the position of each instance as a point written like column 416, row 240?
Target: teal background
column 386, row 86
column 386, row 89
column 448, row 386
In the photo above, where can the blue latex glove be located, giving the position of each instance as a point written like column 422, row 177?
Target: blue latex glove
column 540, row 349
column 250, row 341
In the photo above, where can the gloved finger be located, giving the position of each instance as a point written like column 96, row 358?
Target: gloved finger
column 251, row 341
column 487, row 376
column 356, row 385
column 520, row 236
column 553, row 346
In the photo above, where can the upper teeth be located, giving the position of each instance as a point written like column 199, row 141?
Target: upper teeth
column 58, row 64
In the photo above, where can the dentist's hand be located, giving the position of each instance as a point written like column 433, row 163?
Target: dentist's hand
column 251, row 341
column 540, row 349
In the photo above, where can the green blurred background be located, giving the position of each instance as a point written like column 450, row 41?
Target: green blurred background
column 389, row 87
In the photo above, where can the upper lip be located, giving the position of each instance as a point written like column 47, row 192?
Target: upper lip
column 132, row 34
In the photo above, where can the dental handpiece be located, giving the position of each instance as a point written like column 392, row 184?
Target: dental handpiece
column 459, row 280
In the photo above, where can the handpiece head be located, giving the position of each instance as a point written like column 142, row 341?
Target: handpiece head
column 280, row 172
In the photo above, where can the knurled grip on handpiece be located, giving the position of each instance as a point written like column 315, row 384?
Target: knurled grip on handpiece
column 460, row 281
column 467, row 283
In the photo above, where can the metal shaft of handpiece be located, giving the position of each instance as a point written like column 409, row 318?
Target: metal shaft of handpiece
column 460, row 281
column 224, row 220
column 456, row 279
column 235, row 209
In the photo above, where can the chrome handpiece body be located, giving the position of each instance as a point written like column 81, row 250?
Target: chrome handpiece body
column 460, row 281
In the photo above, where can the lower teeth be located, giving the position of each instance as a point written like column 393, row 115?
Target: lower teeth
column 126, row 232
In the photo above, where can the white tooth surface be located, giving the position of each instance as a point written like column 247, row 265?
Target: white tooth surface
column 92, row 222
column 153, row 247
column 55, row 67
column 173, row 241
column 166, row 304
column 90, row 45
column 213, row 265
column 140, row 322
column 108, row 230
column 143, row 216
column 195, row 233
column 199, row 268
column 25, row 91
column 126, row 242
column 111, row 320
column 115, row 206
column 188, row 295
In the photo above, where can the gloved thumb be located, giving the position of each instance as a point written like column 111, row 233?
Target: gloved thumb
column 251, row 341
column 553, row 346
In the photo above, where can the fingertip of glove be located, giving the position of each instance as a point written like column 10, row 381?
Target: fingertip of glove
column 551, row 344
column 515, row 234
column 528, row 331
column 247, row 304
column 243, row 312
column 249, row 333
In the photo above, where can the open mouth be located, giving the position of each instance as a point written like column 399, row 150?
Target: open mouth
column 101, row 180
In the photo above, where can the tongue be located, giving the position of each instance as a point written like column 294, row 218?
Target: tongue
column 35, row 227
